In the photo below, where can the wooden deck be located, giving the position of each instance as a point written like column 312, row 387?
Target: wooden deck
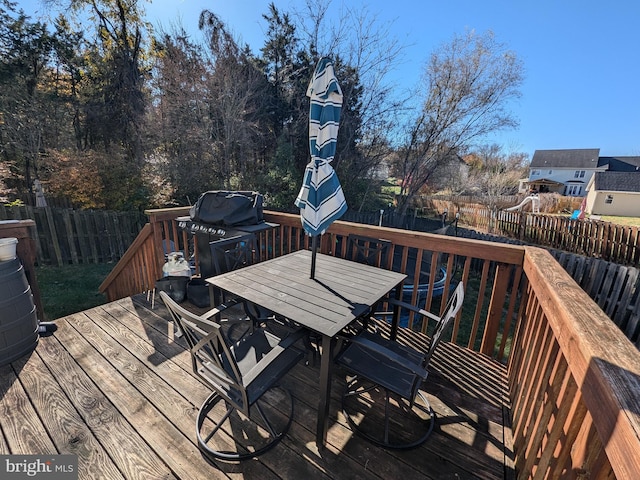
column 114, row 386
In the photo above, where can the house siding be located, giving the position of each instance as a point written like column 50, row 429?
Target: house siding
column 623, row 204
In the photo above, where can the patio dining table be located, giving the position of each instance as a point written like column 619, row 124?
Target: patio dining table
column 341, row 292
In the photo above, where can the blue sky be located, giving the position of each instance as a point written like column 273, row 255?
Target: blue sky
column 581, row 58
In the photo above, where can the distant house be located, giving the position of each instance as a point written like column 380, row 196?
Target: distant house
column 523, row 185
column 569, row 172
column 566, row 172
column 614, row 193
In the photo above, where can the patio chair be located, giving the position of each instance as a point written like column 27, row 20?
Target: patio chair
column 240, row 375
column 383, row 402
column 228, row 255
column 368, row 250
column 233, row 253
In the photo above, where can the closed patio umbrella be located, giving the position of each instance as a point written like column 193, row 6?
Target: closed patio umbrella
column 321, row 200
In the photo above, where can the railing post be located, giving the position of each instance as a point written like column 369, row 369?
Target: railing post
column 498, row 294
column 158, row 237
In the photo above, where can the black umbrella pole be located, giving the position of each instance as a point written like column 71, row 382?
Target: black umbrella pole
column 314, row 249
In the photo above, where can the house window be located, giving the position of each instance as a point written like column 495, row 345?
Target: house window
column 579, row 174
column 609, row 199
column 550, row 172
column 535, row 172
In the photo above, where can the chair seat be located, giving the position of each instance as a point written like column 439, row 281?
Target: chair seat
column 374, row 365
column 262, row 359
column 251, row 360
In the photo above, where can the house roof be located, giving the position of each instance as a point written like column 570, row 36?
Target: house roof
column 544, row 181
column 621, row 164
column 570, row 158
column 617, row 181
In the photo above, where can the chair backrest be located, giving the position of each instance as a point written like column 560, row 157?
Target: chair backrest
column 212, row 358
column 450, row 312
column 443, row 322
column 233, row 253
column 368, row 250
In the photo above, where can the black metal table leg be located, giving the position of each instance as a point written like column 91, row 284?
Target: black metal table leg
column 396, row 312
column 326, row 371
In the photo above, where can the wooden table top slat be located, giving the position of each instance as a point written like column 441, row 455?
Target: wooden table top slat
column 340, row 292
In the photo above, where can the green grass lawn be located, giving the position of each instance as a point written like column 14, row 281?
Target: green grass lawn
column 628, row 221
column 71, row 288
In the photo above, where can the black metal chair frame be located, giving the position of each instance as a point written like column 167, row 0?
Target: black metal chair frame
column 230, row 254
column 233, row 253
column 397, row 371
column 369, row 250
column 237, row 252
column 239, row 374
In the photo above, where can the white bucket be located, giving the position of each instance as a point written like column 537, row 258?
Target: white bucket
column 8, row 249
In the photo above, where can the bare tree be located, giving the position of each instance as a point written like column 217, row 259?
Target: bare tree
column 120, row 87
column 468, row 84
column 180, row 117
column 495, row 174
column 237, row 86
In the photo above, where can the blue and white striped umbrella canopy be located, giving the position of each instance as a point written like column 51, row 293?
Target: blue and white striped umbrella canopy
column 321, row 200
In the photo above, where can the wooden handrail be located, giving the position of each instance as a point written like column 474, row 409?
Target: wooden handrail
column 488, row 312
column 574, row 382
column 127, row 258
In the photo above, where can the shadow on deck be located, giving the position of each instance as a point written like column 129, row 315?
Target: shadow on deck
column 114, row 386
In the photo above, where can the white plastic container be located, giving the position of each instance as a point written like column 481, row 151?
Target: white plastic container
column 176, row 266
column 8, row 248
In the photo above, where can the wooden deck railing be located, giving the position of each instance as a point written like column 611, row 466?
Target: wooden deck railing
column 574, row 382
column 574, row 377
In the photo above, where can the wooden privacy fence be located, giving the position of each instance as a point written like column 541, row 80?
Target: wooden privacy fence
column 615, row 288
column 393, row 219
column 64, row 236
column 593, row 238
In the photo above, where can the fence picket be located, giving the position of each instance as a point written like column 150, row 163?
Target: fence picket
column 81, row 234
column 64, row 236
column 70, row 236
column 622, row 309
column 634, row 319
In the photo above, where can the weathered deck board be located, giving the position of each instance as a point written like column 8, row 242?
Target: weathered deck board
column 114, row 386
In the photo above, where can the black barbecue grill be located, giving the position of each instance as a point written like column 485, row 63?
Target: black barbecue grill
column 222, row 209
column 204, row 234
